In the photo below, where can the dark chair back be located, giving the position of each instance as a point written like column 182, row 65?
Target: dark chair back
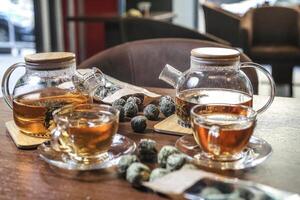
column 275, row 25
column 141, row 62
column 222, row 23
column 271, row 36
column 128, row 29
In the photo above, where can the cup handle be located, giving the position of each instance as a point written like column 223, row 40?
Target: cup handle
column 55, row 136
column 59, row 141
column 271, row 82
column 213, row 137
column 5, row 84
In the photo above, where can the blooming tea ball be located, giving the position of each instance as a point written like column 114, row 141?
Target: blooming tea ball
column 137, row 101
column 151, row 112
column 125, row 161
column 176, row 161
column 247, row 193
column 137, row 173
column 208, row 191
column 130, row 109
column 167, row 108
column 165, row 98
column 158, row 173
column 139, row 123
column 147, row 151
column 122, row 112
column 119, row 102
column 189, row 166
column 230, row 196
column 164, row 153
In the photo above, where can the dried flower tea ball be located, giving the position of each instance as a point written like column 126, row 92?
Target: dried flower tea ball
column 249, row 193
column 112, row 89
column 137, row 173
column 130, row 109
column 151, row 112
column 147, row 151
column 119, row 102
column 122, row 112
column 230, row 196
column 158, row 173
column 165, row 98
column 136, row 100
column 189, row 166
column 125, row 161
column 208, row 191
column 176, row 161
column 139, row 123
column 164, row 153
column 101, row 92
column 167, row 108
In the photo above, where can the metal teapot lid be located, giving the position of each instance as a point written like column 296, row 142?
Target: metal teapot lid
column 50, row 60
column 215, row 55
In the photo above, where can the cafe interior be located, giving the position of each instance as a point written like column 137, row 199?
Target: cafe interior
column 150, row 99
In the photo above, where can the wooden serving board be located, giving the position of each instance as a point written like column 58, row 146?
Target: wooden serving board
column 170, row 126
column 21, row 140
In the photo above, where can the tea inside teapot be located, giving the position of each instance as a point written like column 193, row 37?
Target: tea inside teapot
column 33, row 111
column 46, row 85
column 214, row 77
column 187, row 99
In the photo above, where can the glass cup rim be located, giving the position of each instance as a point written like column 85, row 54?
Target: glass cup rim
column 57, row 117
column 248, row 118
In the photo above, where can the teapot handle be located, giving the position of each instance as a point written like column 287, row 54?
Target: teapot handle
column 5, row 83
column 270, row 79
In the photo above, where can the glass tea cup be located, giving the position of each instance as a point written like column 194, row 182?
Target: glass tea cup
column 223, row 130
column 85, row 132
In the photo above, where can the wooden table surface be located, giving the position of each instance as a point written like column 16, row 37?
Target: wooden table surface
column 23, row 175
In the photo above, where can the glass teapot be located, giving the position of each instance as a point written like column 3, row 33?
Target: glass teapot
column 48, row 84
column 214, row 77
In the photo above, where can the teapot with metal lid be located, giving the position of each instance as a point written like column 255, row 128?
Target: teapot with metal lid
column 48, row 84
column 215, row 76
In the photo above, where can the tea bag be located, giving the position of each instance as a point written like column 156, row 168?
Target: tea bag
column 198, row 184
column 105, row 89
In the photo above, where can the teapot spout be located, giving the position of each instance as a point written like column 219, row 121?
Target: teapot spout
column 170, row 75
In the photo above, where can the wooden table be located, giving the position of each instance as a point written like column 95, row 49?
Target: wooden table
column 23, row 175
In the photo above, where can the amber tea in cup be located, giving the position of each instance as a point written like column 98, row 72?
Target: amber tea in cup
column 223, row 130
column 85, row 131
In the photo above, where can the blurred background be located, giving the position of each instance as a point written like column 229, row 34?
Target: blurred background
column 87, row 27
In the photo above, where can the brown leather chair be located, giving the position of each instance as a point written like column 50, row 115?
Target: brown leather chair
column 126, row 29
column 271, row 35
column 221, row 23
column 141, row 62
